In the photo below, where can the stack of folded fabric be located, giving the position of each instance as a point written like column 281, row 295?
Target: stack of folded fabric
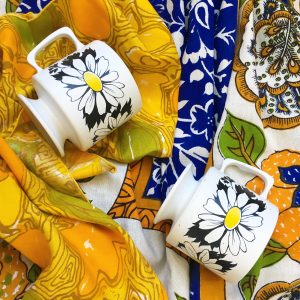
column 218, row 79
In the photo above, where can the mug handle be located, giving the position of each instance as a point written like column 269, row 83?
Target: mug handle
column 62, row 32
column 268, row 180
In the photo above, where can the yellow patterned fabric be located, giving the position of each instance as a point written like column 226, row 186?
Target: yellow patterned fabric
column 135, row 32
column 83, row 252
column 45, row 215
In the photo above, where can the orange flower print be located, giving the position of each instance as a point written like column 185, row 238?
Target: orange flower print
column 267, row 62
column 279, row 290
column 284, row 166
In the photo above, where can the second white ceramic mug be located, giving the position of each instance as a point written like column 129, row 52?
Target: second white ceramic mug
column 218, row 222
column 84, row 96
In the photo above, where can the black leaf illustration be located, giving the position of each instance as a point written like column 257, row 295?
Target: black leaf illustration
column 211, row 257
column 115, row 118
column 94, row 117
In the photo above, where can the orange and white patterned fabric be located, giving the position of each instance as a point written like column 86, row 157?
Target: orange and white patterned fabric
column 261, row 126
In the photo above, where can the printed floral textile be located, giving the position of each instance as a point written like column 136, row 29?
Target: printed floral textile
column 204, row 33
column 205, row 44
column 45, row 213
column 260, row 127
column 34, row 6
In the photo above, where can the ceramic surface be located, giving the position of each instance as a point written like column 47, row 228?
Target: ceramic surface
column 218, row 222
column 84, row 96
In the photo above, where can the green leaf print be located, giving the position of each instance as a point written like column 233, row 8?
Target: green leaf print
column 179, row 297
column 273, row 253
column 34, row 273
column 241, row 140
column 248, row 283
column 7, row 279
column 11, row 6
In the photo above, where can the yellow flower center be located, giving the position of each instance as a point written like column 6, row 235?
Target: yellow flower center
column 93, row 81
column 232, row 218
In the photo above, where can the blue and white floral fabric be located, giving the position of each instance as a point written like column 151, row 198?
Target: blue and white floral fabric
column 34, row 6
column 204, row 32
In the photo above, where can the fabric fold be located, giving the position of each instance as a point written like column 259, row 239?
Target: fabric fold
column 82, row 252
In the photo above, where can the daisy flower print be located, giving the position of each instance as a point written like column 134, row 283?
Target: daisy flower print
column 91, row 83
column 231, row 217
column 114, row 120
column 205, row 255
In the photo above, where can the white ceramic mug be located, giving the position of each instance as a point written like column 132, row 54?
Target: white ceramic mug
column 84, row 96
column 218, row 222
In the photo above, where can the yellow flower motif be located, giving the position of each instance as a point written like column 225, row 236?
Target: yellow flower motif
column 231, row 220
column 93, row 84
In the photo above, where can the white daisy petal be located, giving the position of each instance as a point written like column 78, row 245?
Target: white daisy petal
column 250, row 209
column 72, row 72
column 72, row 80
column 122, row 119
column 112, row 100
column 100, row 133
column 231, row 195
column 215, row 234
column 242, row 199
column 112, row 122
column 120, row 85
column 243, row 244
column 113, row 90
column 109, row 77
column 101, row 103
column 90, row 104
column 190, row 249
column 101, row 66
column 77, row 93
column 213, row 207
column 204, row 256
column 79, row 65
column 84, row 99
column 223, row 199
column 234, row 243
column 246, row 234
column 224, row 243
column 252, row 221
column 210, row 224
column 211, row 217
column 214, row 266
column 90, row 62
